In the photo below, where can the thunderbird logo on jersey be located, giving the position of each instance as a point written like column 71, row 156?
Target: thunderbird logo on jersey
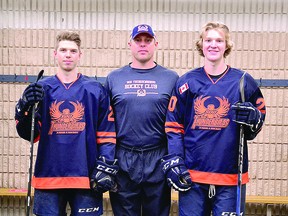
column 211, row 116
column 67, row 121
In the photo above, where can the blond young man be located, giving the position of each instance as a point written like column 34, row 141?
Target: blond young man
column 203, row 129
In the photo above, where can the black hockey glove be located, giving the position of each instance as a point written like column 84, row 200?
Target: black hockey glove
column 246, row 114
column 103, row 176
column 176, row 173
column 32, row 95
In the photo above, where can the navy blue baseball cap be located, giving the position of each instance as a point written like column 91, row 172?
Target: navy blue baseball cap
column 142, row 28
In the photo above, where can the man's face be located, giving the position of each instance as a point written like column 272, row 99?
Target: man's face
column 214, row 45
column 142, row 48
column 67, row 55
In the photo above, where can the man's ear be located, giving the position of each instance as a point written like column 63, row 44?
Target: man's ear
column 156, row 43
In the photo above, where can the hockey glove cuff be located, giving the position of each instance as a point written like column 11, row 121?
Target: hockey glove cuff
column 103, row 176
column 247, row 114
column 176, row 173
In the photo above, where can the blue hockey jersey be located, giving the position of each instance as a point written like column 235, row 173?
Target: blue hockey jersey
column 199, row 124
column 139, row 98
column 74, row 128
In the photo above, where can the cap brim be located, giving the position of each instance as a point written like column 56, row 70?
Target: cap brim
column 139, row 33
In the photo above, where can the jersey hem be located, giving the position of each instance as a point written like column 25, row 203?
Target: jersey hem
column 217, row 178
column 60, row 182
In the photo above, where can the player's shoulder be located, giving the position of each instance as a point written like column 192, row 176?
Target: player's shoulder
column 93, row 86
column 90, row 81
column 194, row 73
column 118, row 72
column 166, row 71
column 48, row 81
column 238, row 73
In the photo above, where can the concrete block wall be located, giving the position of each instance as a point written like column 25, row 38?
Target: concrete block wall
column 268, row 152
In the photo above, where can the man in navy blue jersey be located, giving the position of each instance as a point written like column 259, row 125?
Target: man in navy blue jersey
column 203, row 129
column 75, row 159
column 140, row 93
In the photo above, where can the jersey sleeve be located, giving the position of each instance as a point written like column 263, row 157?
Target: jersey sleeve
column 106, row 136
column 255, row 96
column 174, row 125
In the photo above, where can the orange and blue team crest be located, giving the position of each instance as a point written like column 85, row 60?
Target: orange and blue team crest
column 67, row 121
column 209, row 116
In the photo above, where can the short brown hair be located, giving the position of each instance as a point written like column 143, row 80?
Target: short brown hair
column 69, row 36
column 215, row 25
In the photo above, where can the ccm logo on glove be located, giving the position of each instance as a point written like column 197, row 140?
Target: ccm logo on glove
column 107, row 169
column 170, row 163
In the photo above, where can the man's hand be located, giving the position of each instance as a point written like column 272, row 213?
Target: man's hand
column 176, row 173
column 246, row 114
column 103, row 176
column 33, row 94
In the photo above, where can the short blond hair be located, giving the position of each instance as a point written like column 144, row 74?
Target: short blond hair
column 218, row 26
column 68, row 36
